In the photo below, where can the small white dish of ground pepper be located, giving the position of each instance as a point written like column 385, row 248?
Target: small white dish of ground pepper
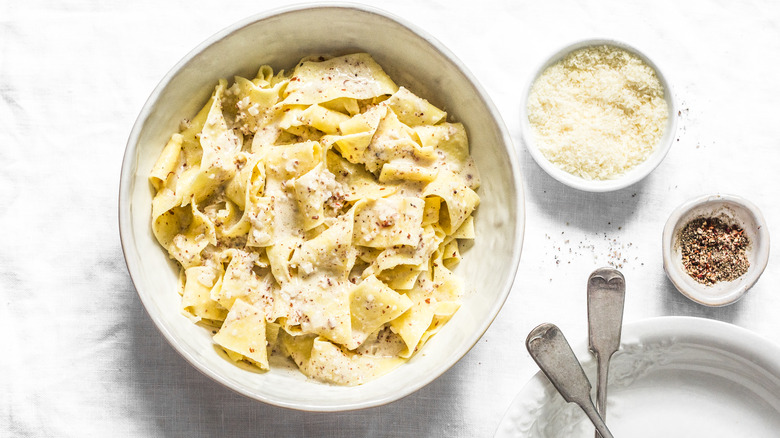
column 715, row 248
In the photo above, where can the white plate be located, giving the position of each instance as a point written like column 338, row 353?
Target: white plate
column 673, row 377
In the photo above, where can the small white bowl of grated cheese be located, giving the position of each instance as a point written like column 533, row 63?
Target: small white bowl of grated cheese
column 598, row 115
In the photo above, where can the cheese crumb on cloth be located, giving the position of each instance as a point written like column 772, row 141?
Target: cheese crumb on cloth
column 598, row 112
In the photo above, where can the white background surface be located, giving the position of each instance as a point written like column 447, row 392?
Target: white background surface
column 81, row 357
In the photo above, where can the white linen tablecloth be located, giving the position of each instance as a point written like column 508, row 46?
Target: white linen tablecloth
column 82, row 359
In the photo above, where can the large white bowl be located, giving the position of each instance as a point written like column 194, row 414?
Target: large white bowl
column 413, row 59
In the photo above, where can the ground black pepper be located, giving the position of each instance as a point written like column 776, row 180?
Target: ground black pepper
column 713, row 251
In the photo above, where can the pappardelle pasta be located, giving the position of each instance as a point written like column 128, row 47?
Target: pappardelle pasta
column 317, row 216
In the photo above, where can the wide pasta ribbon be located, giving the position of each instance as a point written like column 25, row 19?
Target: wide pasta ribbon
column 317, row 214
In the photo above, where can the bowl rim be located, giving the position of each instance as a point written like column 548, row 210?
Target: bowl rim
column 761, row 257
column 129, row 171
column 632, row 176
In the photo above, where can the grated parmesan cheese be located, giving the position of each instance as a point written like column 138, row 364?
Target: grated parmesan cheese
column 598, row 112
